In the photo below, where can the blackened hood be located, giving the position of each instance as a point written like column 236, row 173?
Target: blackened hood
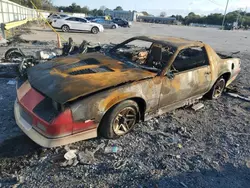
column 65, row 79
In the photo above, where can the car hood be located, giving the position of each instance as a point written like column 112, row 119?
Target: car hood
column 65, row 79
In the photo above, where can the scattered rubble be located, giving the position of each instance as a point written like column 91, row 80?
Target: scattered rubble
column 71, row 154
column 151, row 155
column 239, row 96
column 198, row 106
column 113, row 149
column 11, row 82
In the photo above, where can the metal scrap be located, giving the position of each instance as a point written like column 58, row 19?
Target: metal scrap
column 198, row 106
column 239, row 96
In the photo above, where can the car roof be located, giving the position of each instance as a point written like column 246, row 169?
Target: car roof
column 170, row 41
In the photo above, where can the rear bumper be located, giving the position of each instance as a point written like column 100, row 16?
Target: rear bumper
column 49, row 142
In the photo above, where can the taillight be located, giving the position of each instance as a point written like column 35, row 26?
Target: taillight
column 63, row 125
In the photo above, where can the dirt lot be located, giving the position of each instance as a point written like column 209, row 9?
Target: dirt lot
column 207, row 148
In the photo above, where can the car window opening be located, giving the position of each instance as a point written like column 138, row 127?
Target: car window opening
column 190, row 58
column 146, row 54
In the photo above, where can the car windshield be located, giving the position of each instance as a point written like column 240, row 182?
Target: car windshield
column 144, row 54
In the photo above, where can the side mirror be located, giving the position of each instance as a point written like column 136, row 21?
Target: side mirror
column 170, row 75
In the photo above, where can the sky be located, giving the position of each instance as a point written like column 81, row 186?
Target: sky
column 155, row 7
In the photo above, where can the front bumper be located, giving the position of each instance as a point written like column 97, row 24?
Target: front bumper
column 49, row 142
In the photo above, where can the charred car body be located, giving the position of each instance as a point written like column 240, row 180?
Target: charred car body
column 74, row 98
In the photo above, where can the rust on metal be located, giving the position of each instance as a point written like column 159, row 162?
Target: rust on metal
column 100, row 81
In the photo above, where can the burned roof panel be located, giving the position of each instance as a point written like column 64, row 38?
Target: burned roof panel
column 172, row 41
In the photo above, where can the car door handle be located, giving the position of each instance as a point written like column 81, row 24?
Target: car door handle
column 207, row 73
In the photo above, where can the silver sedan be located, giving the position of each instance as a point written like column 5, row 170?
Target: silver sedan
column 107, row 24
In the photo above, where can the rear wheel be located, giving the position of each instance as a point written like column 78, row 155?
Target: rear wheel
column 65, row 28
column 120, row 119
column 217, row 89
column 113, row 27
column 95, row 30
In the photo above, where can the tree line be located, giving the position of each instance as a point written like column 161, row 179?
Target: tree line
column 243, row 18
column 73, row 8
column 214, row 19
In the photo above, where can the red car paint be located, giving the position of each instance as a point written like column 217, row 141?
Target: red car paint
column 62, row 125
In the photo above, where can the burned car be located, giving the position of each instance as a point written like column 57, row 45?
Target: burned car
column 74, row 98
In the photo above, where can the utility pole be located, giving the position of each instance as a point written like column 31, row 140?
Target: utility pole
column 224, row 15
column 238, row 17
column 242, row 20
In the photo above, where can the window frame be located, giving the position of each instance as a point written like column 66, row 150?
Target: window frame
column 163, row 69
column 85, row 21
column 188, row 70
column 67, row 19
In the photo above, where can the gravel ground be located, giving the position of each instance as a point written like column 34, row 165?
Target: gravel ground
column 206, row 148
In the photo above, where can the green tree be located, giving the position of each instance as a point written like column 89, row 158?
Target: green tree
column 118, row 8
column 145, row 13
column 163, row 14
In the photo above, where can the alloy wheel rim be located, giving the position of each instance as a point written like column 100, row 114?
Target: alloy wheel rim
column 219, row 88
column 124, row 121
column 65, row 28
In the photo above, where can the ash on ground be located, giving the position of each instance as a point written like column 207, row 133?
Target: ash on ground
column 186, row 148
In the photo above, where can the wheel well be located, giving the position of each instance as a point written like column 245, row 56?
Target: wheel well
column 64, row 25
column 226, row 76
column 142, row 106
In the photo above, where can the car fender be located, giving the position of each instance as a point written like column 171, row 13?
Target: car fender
column 96, row 105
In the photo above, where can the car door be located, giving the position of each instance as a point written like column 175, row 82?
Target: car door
column 188, row 76
column 104, row 23
column 83, row 25
column 72, row 22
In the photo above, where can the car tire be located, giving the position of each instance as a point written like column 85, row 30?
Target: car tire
column 65, row 28
column 13, row 53
column 113, row 27
column 94, row 30
column 217, row 89
column 119, row 120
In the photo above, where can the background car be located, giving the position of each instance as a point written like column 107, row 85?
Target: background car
column 90, row 18
column 76, row 23
column 106, row 23
column 52, row 17
column 121, row 22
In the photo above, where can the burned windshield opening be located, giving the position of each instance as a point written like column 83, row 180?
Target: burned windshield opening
column 145, row 54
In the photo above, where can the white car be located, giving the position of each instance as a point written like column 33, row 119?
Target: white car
column 76, row 23
column 53, row 17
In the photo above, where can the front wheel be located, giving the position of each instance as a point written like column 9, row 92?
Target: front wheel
column 113, row 27
column 120, row 119
column 65, row 28
column 217, row 89
column 94, row 30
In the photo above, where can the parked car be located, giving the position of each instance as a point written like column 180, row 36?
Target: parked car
column 106, row 23
column 76, row 98
column 122, row 22
column 52, row 17
column 90, row 18
column 76, row 23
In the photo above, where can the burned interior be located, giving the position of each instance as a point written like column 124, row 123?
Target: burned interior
column 145, row 53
